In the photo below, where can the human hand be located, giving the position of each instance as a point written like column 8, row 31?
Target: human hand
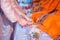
column 30, row 22
column 22, row 22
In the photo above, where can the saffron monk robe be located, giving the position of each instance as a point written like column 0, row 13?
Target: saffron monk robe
column 50, row 23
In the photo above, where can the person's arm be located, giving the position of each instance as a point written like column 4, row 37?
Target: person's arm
column 8, row 11
column 11, row 14
column 18, row 9
column 21, row 21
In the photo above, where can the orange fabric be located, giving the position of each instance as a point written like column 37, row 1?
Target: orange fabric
column 35, row 5
column 58, row 10
column 35, row 16
column 47, row 5
column 50, row 6
column 51, row 24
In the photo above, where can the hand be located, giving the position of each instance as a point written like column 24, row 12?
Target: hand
column 30, row 22
column 22, row 22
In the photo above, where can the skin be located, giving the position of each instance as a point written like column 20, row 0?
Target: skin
column 11, row 7
column 18, row 10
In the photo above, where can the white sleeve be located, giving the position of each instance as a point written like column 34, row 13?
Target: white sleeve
column 8, row 11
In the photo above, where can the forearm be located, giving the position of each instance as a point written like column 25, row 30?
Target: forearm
column 8, row 11
column 21, row 21
column 18, row 9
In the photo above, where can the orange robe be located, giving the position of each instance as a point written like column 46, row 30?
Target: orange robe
column 51, row 24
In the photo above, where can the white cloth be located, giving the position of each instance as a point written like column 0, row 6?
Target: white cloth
column 6, row 28
column 44, row 36
column 21, row 33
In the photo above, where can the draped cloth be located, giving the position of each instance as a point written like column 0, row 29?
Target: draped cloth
column 50, row 25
